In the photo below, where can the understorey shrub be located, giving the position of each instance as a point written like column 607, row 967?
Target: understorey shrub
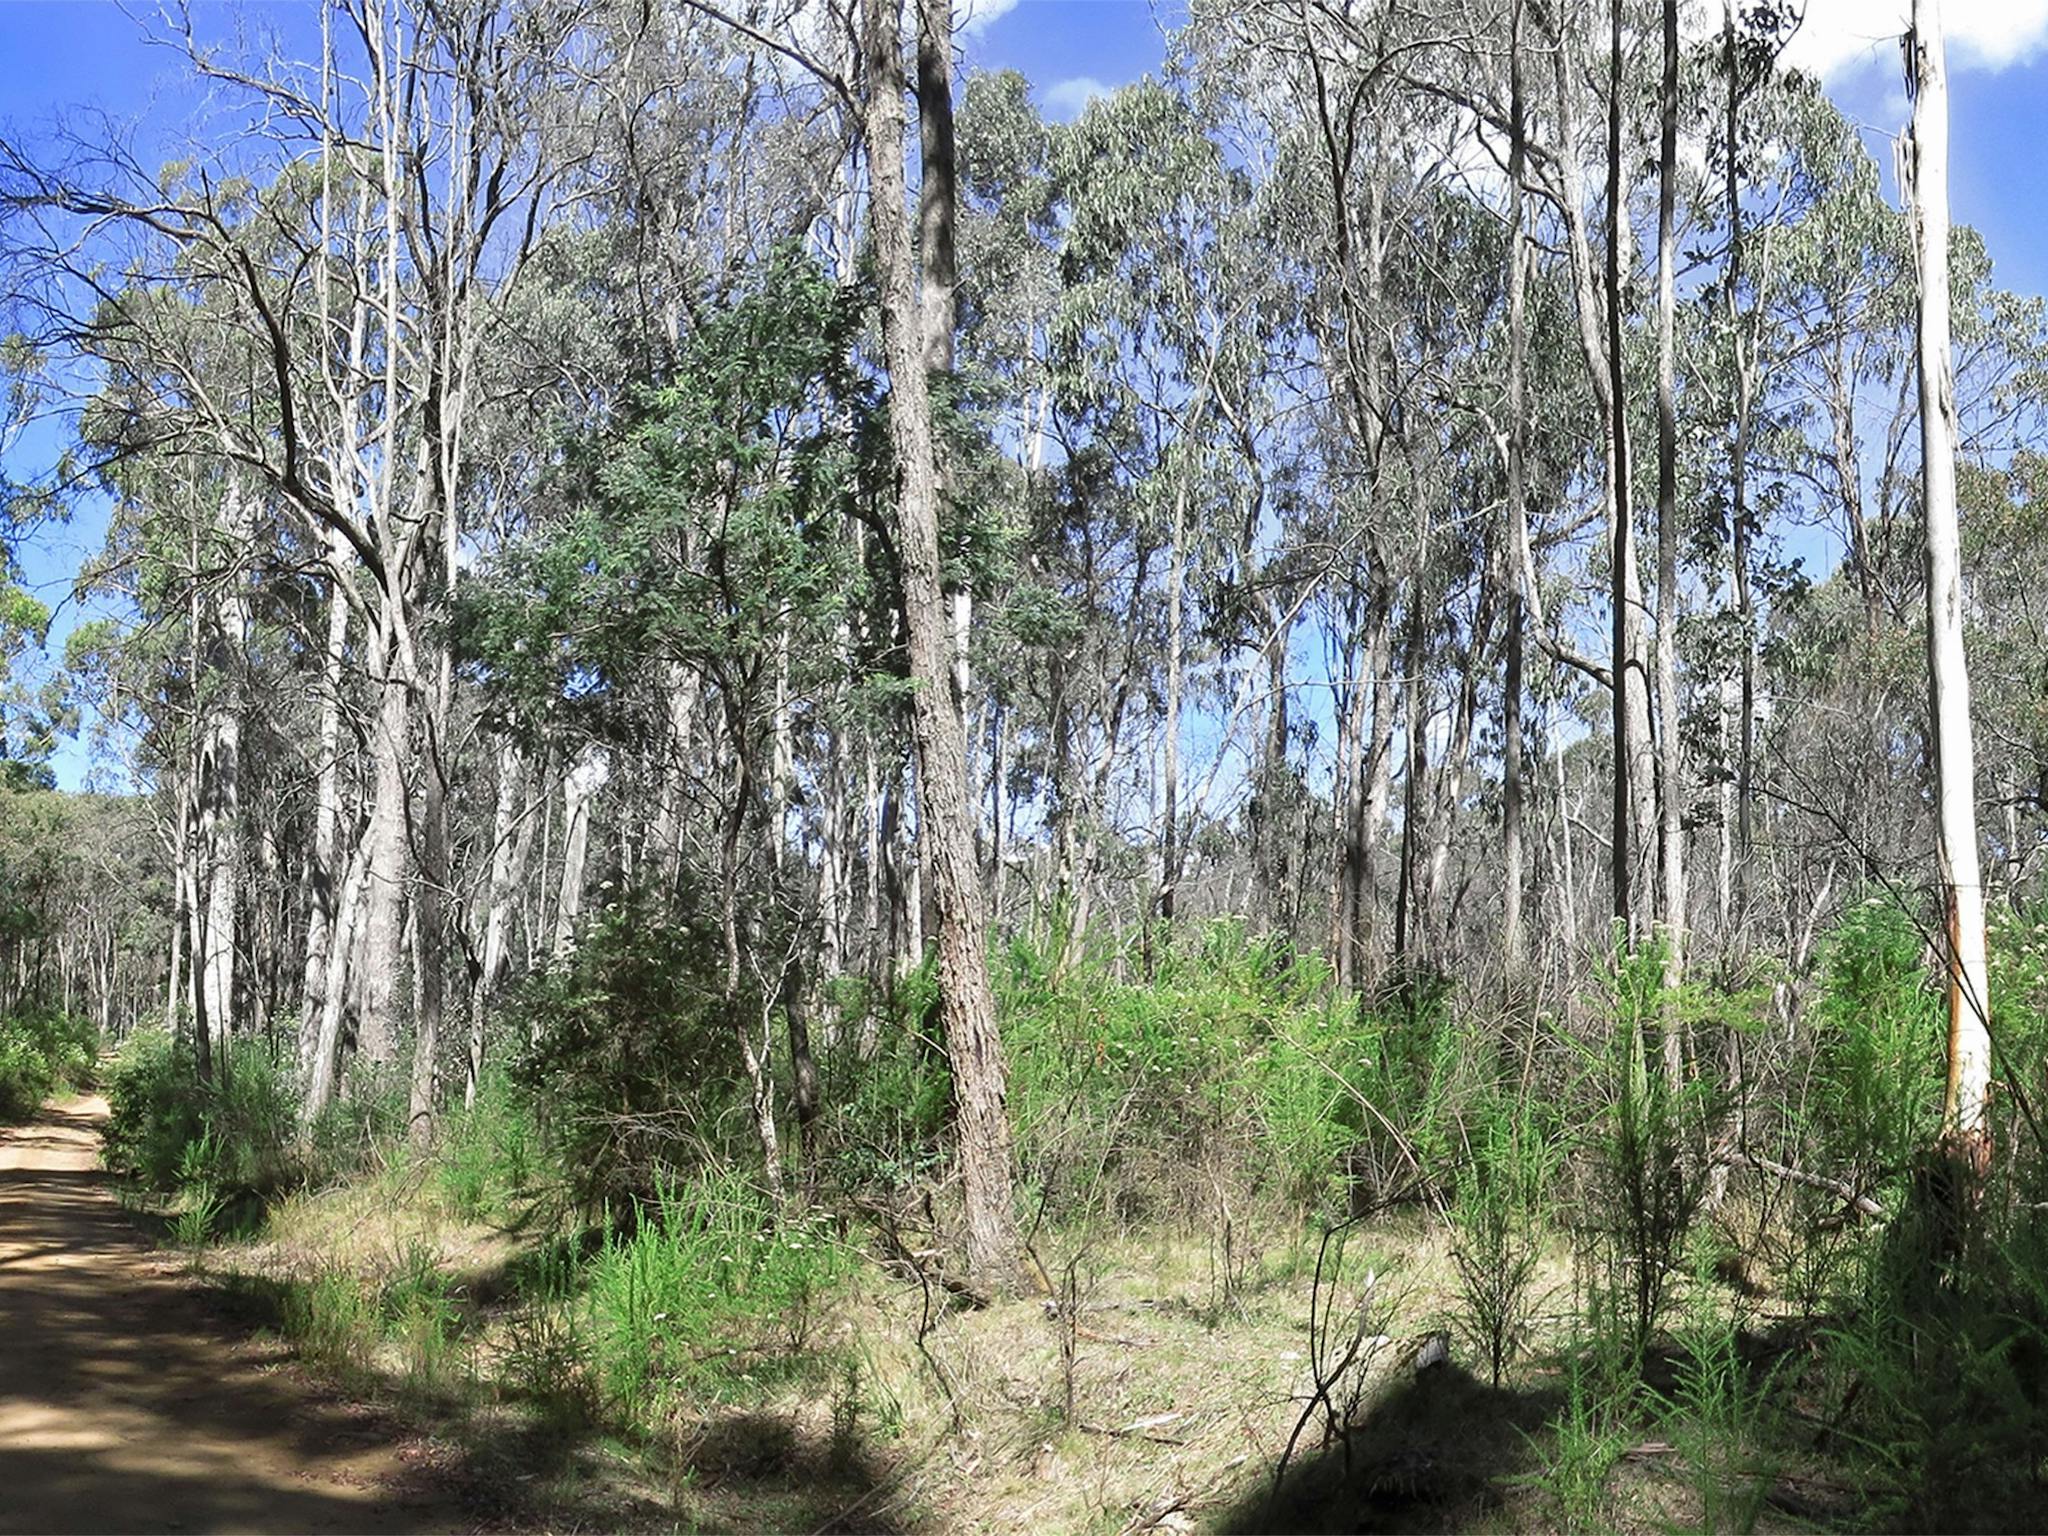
column 42, row 1050
column 711, row 1293
column 236, row 1135
column 1138, row 1092
column 631, row 1063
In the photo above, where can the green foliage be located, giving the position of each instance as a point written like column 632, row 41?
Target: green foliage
column 416, row 1308
column 1726, row 1417
column 548, row 1358
column 1133, row 1094
column 167, row 1130
column 708, row 1294
column 886, row 1111
column 490, row 1153
column 41, row 1050
column 1877, row 1037
column 1577, row 1454
column 331, row 1318
column 1645, row 1134
column 1497, row 1212
column 631, row 1065
column 700, row 522
column 1936, row 1360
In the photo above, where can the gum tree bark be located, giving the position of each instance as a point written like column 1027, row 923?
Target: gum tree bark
column 1670, row 766
column 1969, row 1038
column 945, row 819
column 1621, row 555
column 1514, row 941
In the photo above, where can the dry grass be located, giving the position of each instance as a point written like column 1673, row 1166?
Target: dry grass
column 1162, row 1400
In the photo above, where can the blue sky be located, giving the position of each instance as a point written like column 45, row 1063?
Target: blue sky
column 58, row 54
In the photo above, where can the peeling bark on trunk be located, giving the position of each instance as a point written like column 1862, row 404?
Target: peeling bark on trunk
column 945, row 822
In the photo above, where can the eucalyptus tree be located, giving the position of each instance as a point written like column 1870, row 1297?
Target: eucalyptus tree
column 946, row 820
column 1963, row 956
column 1159, row 351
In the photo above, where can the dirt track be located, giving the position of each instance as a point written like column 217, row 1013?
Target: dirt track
column 124, row 1403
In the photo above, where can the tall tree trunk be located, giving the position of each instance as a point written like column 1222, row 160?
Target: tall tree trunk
column 1621, row 555
column 579, row 788
column 1670, row 767
column 322, row 871
column 324, row 1065
column 1969, row 1039
column 946, row 818
column 1169, row 836
column 431, row 908
column 1514, row 941
column 511, row 839
column 390, row 860
column 1738, row 489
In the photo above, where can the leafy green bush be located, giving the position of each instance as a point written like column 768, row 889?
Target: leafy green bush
column 41, row 1049
column 236, row 1135
column 1497, row 1210
column 489, row 1153
column 632, row 1060
column 26, row 1076
column 1936, row 1358
column 1877, row 1048
column 1642, row 1134
column 1135, row 1094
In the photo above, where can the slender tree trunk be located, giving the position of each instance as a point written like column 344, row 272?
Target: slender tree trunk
column 1969, row 1042
column 384, row 918
column 1169, row 840
column 1670, row 765
column 323, row 873
column 511, row 839
column 579, row 788
column 946, row 820
column 431, row 906
column 1738, row 488
column 1621, row 555
column 1514, row 941
column 324, row 1067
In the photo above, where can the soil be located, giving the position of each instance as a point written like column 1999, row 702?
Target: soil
column 127, row 1403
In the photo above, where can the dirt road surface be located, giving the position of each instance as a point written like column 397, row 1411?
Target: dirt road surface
column 125, row 1402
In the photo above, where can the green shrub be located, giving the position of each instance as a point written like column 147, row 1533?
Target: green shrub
column 632, row 1054
column 353, row 1132
column 168, row 1131
column 1134, row 1095
column 1642, row 1135
column 331, row 1317
column 1877, row 1048
column 489, row 1153
column 1496, row 1211
column 40, row 1051
column 707, row 1294
column 26, row 1076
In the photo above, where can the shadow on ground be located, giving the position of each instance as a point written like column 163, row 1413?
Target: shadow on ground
column 121, row 1405
column 518, row 1461
column 1434, row 1454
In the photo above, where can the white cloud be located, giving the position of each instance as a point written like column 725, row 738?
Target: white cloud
column 1843, row 37
column 971, row 18
column 1067, row 99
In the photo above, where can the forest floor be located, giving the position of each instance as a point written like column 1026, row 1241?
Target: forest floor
column 129, row 1402
column 137, row 1395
